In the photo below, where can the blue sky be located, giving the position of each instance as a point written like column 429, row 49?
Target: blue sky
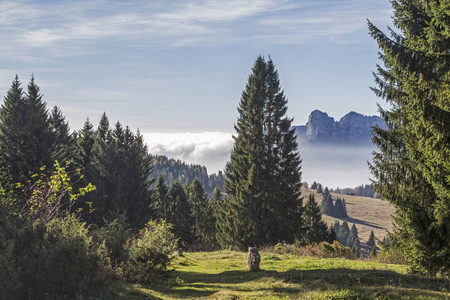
column 180, row 66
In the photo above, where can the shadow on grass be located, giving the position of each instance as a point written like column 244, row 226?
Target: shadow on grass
column 361, row 222
column 364, row 282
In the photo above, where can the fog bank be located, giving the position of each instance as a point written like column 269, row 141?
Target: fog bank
column 332, row 165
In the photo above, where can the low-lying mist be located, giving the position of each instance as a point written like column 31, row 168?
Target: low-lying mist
column 333, row 166
column 336, row 166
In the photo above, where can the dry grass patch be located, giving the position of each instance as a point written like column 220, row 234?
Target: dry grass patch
column 366, row 213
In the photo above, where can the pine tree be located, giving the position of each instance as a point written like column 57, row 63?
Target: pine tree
column 319, row 188
column 26, row 141
column 411, row 168
column 336, row 227
column 339, row 210
column 331, row 234
column 263, row 174
column 200, row 213
column 161, row 199
column 353, row 235
column 343, row 234
column 371, row 242
column 180, row 214
column 315, row 228
column 356, row 248
column 326, row 206
column 63, row 139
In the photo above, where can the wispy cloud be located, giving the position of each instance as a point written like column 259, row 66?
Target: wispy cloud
column 67, row 28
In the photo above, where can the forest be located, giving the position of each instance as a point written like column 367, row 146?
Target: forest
column 82, row 211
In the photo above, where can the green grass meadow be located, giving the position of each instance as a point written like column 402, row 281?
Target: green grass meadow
column 223, row 275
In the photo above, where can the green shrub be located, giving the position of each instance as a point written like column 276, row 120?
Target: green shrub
column 53, row 260
column 115, row 235
column 151, row 252
column 334, row 250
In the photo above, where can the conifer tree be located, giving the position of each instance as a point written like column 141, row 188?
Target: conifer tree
column 83, row 150
column 336, row 227
column 353, row 235
column 315, row 228
column 343, row 234
column 331, row 234
column 411, row 168
column 216, row 201
column 263, row 174
column 161, row 199
column 356, row 248
column 26, row 141
column 63, row 139
column 371, row 242
column 180, row 214
column 326, row 206
column 319, row 188
column 200, row 213
column 339, row 210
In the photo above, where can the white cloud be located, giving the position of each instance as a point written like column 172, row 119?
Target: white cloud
column 211, row 149
column 69, row 28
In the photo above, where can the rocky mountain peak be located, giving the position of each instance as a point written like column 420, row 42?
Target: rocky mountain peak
column 353, row 128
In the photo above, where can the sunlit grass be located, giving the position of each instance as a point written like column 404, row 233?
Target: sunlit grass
column 223, row 275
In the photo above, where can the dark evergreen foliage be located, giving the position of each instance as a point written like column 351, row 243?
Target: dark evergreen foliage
column 352, row 237
column 179, row 214
column 26, row 140
column 263, row 174
column 371, row 242
column 411, row 168
column 201, row 213
column 315, row 229
column 343, row 234
column 339, row 209
column 326, row 206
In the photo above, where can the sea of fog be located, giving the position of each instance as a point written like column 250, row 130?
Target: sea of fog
column 333, row 166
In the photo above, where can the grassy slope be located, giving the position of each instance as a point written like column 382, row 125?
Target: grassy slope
column 366, row 213
column 222, row 275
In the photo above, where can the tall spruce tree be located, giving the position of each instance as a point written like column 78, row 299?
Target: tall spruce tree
column 343, row 234
column 63, row 139
column 315, row 227
column 263, row 175
column 326, row 206
column 179, row 214
column 200, row 212
column 26, row 141
column 411, row 168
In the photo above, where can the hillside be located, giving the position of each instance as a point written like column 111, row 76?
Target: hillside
column 366, row 213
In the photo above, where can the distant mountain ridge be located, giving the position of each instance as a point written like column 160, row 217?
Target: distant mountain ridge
column 352, row 129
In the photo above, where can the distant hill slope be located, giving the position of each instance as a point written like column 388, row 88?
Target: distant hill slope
column 366, row 213
column 353, row 128
column 185, row 173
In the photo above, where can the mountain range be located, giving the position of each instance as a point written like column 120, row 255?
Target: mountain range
column 353, row 129
column 336, row 153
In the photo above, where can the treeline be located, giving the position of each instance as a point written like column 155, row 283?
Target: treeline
column 175, row 170
column 364, row 190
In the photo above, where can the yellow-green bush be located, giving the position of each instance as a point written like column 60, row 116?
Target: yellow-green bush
column 150, row 252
